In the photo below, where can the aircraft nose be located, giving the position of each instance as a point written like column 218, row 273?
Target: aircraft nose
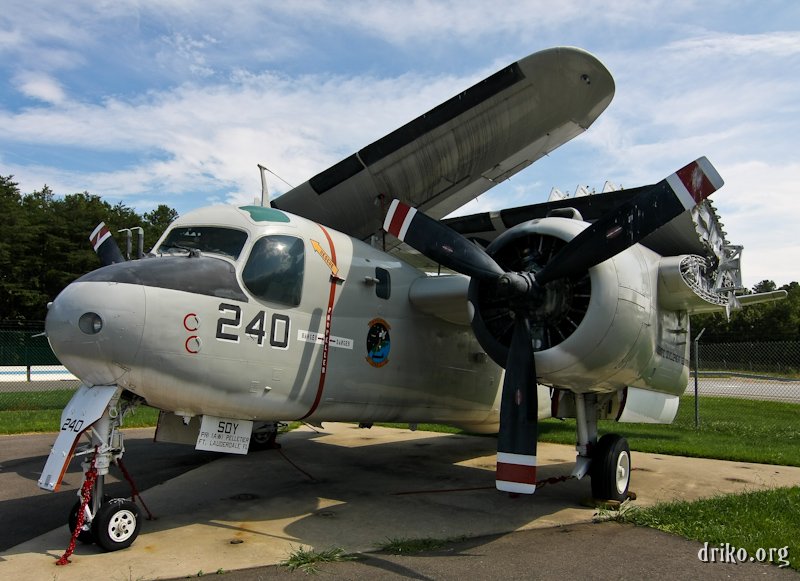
column 95, row 329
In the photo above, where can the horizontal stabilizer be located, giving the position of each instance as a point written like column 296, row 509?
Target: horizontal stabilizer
column 754, row 299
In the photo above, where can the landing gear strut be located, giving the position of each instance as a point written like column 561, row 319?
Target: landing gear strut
column 608, row 461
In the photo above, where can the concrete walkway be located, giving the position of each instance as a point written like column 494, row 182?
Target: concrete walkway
column 355, row 488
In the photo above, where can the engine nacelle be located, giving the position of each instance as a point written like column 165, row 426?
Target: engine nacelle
column 598, row 331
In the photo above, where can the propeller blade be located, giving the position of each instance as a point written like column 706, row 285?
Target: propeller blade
column 519, row 415
column 439, row 242
column 630, row 222
column 105, row 246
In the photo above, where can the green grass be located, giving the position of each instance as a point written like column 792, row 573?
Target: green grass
column 40, row 411
column 406, row 546
column 752, row 521
column 730, row 429
column 308, row 560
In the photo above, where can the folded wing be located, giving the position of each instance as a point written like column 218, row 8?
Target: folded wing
column 460, row 149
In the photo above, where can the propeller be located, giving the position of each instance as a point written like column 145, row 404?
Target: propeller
column 105, row 246
column 614, row 232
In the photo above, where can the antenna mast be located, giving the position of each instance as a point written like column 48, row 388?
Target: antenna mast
column 264, row 190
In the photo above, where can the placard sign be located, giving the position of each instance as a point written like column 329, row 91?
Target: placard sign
column 224, row 435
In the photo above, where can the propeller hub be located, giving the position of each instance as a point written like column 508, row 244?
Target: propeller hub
column 553, row 309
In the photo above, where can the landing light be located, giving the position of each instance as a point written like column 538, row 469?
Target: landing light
column 90, row 323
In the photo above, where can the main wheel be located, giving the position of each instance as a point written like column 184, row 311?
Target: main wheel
column 264, row 441
column 611, row 468
column 116, row 524
column 85, row 536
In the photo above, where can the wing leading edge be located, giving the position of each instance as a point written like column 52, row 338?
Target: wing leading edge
column 460, row 149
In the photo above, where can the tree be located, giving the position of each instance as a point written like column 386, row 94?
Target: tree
column 156, row 222
column 761, row 322
column 14, row 293
column 44, row 242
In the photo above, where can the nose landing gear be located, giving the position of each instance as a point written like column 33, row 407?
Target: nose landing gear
column 98, row 412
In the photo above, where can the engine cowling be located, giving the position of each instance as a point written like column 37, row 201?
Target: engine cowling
column 593, row 330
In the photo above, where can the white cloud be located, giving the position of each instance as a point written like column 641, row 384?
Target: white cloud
column 202, row 138
column 184, row 51
column 204, row 93
column 775, row 44
column 41, row 87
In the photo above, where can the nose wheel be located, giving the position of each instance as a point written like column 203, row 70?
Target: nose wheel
column 116, row 524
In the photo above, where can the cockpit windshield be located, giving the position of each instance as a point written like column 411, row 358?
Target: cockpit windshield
column 206, row 239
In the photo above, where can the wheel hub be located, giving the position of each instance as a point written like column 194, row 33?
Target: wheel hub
column 122, row 526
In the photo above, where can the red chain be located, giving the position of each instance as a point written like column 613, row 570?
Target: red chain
column 553, row 480
column 86, row 495
column 134, row 491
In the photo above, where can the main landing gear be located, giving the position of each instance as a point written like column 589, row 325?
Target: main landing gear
column 264, row 436
column 112, row 523
column 607, row 461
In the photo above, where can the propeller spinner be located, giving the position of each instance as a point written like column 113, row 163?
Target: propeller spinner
column 618, row 230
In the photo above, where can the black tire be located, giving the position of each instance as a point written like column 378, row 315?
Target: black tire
column 611, row 468
column 84, row 536
column 264, row 441
column 116, row 524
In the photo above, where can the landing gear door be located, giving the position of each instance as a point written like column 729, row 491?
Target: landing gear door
column 86, row 407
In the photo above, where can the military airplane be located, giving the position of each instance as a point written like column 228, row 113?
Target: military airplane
column 350, row 298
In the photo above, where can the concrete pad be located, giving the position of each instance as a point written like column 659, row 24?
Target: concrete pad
column 355, row 488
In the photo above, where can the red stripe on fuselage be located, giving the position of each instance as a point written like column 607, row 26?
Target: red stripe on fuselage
column 326, row 342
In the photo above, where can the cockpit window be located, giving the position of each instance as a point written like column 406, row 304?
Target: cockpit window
column 206, row 239
column 274, row 270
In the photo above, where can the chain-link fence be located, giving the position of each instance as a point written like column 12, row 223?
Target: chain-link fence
column 31, row 377
column 731, row 379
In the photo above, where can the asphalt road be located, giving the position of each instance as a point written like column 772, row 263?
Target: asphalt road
column 583, row 551
column 747, row 387
column 32, row 511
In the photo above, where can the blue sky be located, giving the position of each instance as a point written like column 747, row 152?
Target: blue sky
column 175, row 102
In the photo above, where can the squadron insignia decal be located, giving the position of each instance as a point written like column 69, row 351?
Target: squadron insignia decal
column 378, row 343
